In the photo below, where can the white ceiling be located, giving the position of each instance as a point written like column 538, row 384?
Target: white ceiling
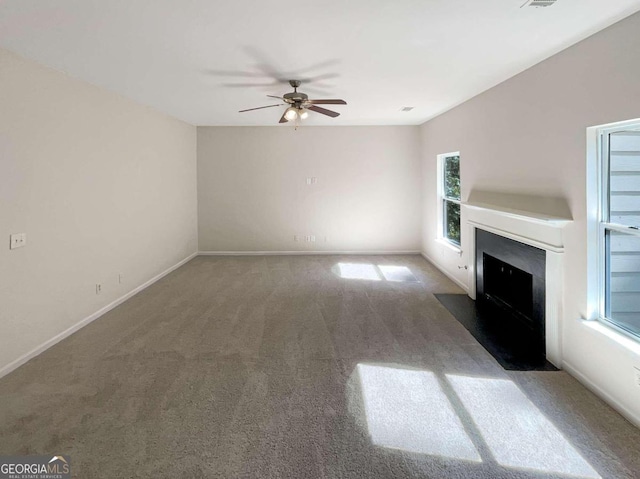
column 187, row 57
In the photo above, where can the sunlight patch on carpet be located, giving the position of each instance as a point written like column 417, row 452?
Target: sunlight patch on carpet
column 358, row 271
column 397, row 273
column 408, row 410
column 371, row 272
column 517, row 433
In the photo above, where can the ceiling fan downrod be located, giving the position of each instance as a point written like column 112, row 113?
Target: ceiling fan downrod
column 295, row 84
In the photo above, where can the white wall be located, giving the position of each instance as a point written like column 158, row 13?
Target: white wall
column 528, row 135
column 100, row 185
column 253, row 196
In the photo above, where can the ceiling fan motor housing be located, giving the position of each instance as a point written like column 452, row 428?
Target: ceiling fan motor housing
column 295, row 97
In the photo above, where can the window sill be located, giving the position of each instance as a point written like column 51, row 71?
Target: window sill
column 449, row 245
column 622, row 338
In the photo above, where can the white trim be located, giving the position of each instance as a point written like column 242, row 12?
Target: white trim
column 515, row 213
column 597, row 177
column 446, row 273
column 13, row 365
column 585, row 381
column 614, row 333
column 448, row 244
column 303, row 253
column 471, row 265
column 554, row 306
column 619, row 229
column 593, row 175
column 517, row 237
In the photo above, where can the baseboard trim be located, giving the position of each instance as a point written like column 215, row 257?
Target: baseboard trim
column 606, row 397
column 464, row 286
column 302, row 253
column 13, row 365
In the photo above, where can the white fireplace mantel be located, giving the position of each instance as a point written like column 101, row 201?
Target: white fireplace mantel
column 535, row 229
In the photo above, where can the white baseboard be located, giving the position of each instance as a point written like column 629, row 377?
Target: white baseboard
column 68, row 332
column 464, row 286
column 606, row 397
column 301, row 253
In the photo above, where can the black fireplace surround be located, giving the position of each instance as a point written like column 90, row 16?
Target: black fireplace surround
column 510, row 284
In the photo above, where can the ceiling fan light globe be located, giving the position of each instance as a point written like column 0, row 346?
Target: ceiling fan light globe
column 304, row 114
column 290, row 114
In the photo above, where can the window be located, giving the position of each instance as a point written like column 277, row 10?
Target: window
column 619, row 226
column 449, row 197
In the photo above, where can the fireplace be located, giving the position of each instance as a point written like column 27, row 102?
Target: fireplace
column 528, row 221
column 510, row 287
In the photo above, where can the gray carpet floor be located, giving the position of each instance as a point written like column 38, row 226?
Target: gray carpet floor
column 302, row 367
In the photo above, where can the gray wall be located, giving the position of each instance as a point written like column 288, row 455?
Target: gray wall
column 100, row 185
column 528, row 136
column 253, row 196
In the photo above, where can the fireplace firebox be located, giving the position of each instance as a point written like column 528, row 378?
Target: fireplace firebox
column 510, row 287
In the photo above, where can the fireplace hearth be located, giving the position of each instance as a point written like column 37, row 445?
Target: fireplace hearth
column 508, row 316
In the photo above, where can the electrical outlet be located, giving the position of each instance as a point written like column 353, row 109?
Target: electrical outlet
column 296, row 238
column 310, row 238
column 17, row 240
column 14, row 241
column 637, row 371
column 98, row 288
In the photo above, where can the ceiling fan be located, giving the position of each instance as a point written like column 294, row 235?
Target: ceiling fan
column 299, row 105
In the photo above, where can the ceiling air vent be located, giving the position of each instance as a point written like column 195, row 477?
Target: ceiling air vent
column 407, row 108
column 538, row 3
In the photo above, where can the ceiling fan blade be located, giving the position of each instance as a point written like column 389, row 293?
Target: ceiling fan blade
column 324, row 111
column 234, row 73
column 327, row 102
column 323, row 65
column 319, row 89
column 278, row 97
column 248, row 85
column 259, row 108
column 324, row 76
column 283, row 118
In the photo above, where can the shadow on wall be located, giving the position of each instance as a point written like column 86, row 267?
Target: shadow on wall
column 472, row 419
column 543, row 205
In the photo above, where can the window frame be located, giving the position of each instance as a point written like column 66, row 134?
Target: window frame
column 598, row 207
column 443, row 199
